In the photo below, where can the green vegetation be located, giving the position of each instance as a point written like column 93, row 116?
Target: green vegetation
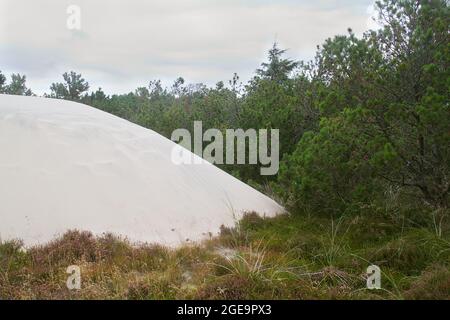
column 365, row 175
column 288, row 257
column 368, row 116
column 16, row 86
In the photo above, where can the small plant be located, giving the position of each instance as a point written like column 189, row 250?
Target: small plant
column 286, row 257
column 333, row 244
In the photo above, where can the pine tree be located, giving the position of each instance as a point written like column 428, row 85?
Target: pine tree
column 17, row 86
column 72, row 88
column 2, row 83
column 277, row 68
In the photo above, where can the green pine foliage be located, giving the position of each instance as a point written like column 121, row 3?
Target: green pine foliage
column 367, row 115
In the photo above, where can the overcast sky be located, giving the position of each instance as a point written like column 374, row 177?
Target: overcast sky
column 124, row 44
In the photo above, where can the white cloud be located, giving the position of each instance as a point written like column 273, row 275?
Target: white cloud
column 372, row 23
column 124, row 44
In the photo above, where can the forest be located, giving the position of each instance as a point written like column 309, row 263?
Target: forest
column 364, row 165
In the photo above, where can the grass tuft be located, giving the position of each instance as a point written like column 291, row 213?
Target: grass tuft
column 287, row 257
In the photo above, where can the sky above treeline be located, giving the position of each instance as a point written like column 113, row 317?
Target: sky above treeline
column 124, row 44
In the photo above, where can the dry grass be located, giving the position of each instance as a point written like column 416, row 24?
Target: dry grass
column 281, row 258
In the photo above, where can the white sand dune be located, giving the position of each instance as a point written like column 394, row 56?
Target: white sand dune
column 65, row 165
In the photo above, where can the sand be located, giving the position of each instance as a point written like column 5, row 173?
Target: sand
column 65, row 165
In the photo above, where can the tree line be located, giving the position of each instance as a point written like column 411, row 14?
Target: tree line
column 364, row 126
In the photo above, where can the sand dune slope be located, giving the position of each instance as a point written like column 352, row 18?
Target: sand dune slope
column 65, row 165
